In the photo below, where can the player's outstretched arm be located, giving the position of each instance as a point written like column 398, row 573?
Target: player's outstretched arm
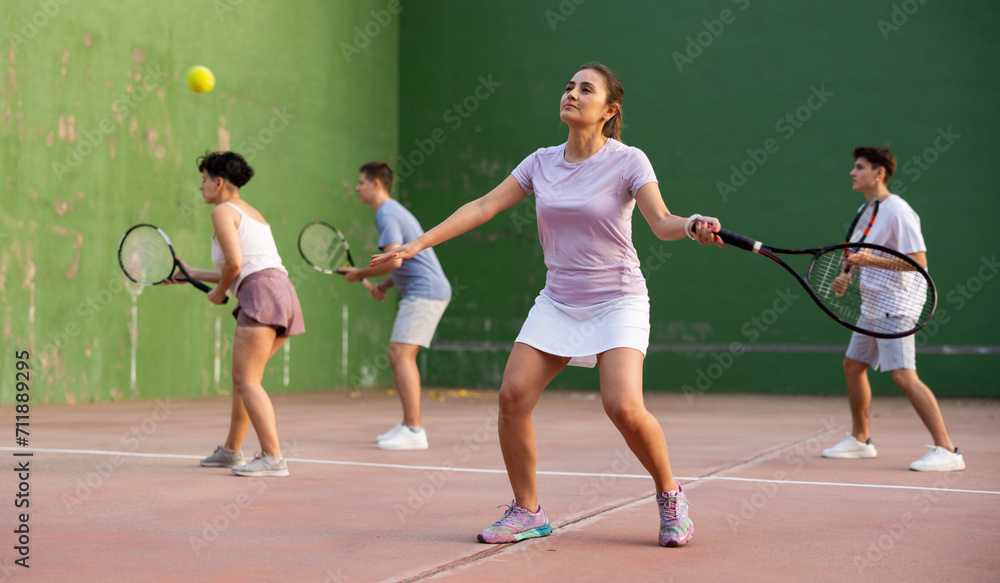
column 467, row 217
column 669, row 227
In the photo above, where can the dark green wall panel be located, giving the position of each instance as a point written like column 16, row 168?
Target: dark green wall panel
column 707, row 85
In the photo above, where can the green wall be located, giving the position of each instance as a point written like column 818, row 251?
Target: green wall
column 707, row 84
column 307, row 94
column 463, row 92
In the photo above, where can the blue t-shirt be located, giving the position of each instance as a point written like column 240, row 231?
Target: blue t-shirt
column 420, row 276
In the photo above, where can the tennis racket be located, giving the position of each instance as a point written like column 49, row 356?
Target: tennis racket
column 325, row 248
column 891, row 297
column 146, row 256
column 861, row 226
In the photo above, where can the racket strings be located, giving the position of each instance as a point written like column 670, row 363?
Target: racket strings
column 146, row 256
column 323, row 247
column 886, row 295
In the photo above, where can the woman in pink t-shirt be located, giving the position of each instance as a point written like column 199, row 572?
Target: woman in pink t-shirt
column 594, row 308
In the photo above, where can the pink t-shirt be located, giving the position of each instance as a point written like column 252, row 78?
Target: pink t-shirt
column 585, row 220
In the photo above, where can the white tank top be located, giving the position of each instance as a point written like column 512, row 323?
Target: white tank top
column 257, row 246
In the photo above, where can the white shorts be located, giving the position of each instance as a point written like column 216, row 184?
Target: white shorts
column 583, row 332
column 416, row 321
column 882, row 354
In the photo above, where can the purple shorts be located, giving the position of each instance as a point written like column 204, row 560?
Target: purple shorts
column 268, row 298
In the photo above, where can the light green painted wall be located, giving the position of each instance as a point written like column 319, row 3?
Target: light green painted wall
column 80, row 162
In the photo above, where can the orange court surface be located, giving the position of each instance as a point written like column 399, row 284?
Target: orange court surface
column 116, row 494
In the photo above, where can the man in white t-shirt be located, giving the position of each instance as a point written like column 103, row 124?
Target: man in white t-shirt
column 896, row 226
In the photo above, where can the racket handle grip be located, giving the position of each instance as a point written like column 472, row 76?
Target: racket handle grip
column 736, row 240
column 730, row 238
column 368, row 285
column 205, row 288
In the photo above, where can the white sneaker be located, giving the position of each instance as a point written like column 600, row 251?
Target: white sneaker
column 851, row 448
column 939, row 459
column 391, row 433
column 405, row 439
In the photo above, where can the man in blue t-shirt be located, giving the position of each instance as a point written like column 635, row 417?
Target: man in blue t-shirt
column 425, row 290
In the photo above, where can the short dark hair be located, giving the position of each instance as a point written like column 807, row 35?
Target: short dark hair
column 878, row 158
column 378, row 171
column 226, row 165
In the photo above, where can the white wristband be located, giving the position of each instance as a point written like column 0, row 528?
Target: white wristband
column 687, row 225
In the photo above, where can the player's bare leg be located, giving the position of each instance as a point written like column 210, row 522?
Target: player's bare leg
column 403, row 358
column 859, row 397
column 527, row 373
column 621, row 394
column 925, row 403
column 253, row 347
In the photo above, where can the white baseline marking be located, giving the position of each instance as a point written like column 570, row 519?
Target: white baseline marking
column 489, row 471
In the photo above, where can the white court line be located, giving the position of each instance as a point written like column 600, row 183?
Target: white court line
column 489, row 471
column 845, row 484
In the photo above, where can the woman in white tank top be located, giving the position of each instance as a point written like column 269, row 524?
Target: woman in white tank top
column 248, row 265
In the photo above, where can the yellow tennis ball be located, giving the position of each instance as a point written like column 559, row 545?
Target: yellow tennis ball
column 200, row 79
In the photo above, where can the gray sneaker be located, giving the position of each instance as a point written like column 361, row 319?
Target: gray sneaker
column 263, row 465
column 224, row 458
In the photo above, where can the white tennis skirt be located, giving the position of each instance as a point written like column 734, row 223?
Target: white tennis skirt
column 583, row 332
